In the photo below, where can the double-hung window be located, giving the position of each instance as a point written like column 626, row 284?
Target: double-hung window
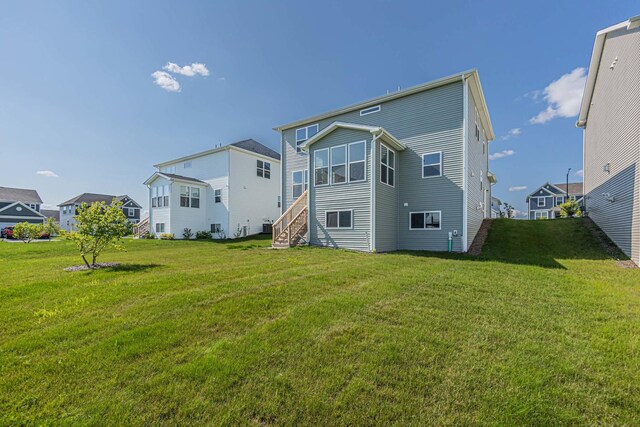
column 357, row 163
column 427, row 220
column 387, row 165
column 302, row 134
column 184, row 196
column 195, row 197
column 559, row 200
column 263, row 169
column 132, row 212
column 217, row 195
column 339, row 219
column 216, row 228
column 321, row 167
column 432, row 165
column 339, row 164
column 159, row 227
column 160, row 196
column 300, row 180
column 541, row 202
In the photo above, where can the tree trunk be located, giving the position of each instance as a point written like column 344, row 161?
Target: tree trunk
column 85, row 261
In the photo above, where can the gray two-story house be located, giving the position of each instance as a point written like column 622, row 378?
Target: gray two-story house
column 19, row 205
column 68, row 209
column 545, row 201
column 408, row 170
column 610, row 116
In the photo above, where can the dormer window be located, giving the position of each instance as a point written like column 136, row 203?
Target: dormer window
column 302, row 134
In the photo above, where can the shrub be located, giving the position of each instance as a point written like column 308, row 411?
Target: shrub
column 27, row 232
column 203, row 235
column 148, row 235
column 570, row 209
column 166, row 236
column 187, row 233
column 51, row 227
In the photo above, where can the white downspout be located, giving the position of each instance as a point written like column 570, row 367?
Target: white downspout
column 464, row 162
column 373, row 188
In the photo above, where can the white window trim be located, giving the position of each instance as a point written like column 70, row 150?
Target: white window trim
column 544, row 203
column 338, row 227
column 304, row 182
column 214, row 195
column 306, row 135
column 364, row 142
column 423, row 165
column 425, row 229
column 392, row 167
column 536, row 212
column 315, row 168
column 559, row 200
column 370, row 110
column 346, row 164
column 132, row 211
column 263, row 169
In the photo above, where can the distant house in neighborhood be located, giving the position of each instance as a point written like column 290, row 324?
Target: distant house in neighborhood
column 545, row 201
column 19, row 205
column 610, row 116
column 495, row 207
column 51, row 213
column 68, row 209
column 229, row 191
column 408, row 170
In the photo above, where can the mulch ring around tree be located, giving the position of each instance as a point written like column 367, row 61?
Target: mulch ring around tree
column 97, row 266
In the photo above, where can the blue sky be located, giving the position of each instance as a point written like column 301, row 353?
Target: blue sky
column 77, row 96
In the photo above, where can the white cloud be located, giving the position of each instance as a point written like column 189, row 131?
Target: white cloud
column 501, row 154
column 518, row 188
column 580, row 173
column 563, row 97
column 166, row 81
column 187, row 70
column 48, row 173
column 513, row 133
column 519, row 214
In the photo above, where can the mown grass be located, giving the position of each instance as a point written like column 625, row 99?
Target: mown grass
column 543, row 329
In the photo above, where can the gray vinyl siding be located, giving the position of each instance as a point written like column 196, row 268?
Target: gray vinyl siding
column 425, row 122
column 349, row 196
column 435, row 126
column 386, row 208
column 612, row 135
column 478, row 186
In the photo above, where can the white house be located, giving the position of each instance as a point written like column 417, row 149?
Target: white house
column 229, row 191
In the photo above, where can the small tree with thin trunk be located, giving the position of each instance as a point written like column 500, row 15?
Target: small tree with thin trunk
column 51, row 227
column 97, row 227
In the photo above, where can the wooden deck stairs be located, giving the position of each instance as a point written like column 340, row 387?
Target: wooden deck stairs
column 292, row 227
column 141, row 228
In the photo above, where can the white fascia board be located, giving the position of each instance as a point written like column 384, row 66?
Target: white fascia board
column 386, row 136
column 254, row 154
column 594, row 64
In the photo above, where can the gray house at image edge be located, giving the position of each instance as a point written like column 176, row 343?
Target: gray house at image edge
column 610, row 116
column 420, row 161
column 19, row 205
column 68, row 209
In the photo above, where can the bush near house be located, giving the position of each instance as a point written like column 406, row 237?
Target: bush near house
column 203, row 235
column 570, row 209
column 27, row 232
column 541, row 329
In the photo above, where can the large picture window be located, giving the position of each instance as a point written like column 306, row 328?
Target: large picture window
column 339, row 164
column 302, row 134
column 339, row 219
column 427, row 220
column 300, row 180
column 357, row 163
column 387, row 165
column 321, row 167
column 432, row 165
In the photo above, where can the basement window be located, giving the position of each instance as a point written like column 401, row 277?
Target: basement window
column 427, row 220
column 339, row 219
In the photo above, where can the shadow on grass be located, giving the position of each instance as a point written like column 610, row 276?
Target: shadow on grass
column 132, row 267
column 536, row 243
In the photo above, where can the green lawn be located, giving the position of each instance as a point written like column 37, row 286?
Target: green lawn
column 544, row 329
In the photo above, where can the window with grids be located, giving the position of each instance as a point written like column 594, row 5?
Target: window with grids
column 217, row 195
column 339, row 164
column 387, row 165
column 357, row 163
column 263, row 169
column 302, row 134
column 189, row 196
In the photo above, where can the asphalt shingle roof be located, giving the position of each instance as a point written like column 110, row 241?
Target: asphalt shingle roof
column 255, row 147
column 574, row 188
column 182, row 177
column 23, row 195
column 89, row 198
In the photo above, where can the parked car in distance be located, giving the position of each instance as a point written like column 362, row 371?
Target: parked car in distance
column 7, row 232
